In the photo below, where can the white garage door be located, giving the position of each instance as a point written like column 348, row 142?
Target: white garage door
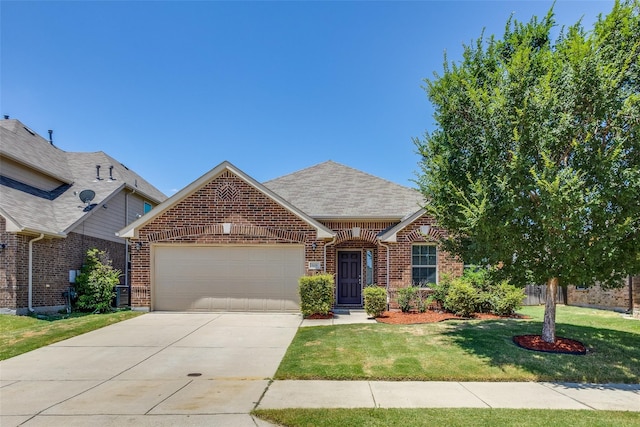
column 227, row 278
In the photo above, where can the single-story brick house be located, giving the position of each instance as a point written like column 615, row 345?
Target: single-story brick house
column 229, row 243
column 45, row 227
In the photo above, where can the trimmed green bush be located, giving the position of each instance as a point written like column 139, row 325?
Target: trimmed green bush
column 96, row 282
column 375, row 300
column 507, row 299
column 316, row 294
column 422, row 299
column 406, row 298
column 462, row 299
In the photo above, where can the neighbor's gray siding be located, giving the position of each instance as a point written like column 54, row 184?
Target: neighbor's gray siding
column 21, row 173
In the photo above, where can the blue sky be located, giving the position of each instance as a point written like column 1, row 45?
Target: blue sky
column 171, row 89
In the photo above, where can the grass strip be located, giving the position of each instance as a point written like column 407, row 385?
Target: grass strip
column 20, row 334
column 452, row 417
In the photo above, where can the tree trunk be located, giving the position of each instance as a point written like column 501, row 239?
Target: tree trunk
column 549, row 325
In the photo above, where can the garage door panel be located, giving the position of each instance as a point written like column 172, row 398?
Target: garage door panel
column 233, row 278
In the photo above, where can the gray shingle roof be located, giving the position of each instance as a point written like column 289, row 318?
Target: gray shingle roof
column 330, row 190
column 25, row 146
column 57, row 216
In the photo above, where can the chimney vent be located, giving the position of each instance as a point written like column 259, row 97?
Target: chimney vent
column 50, row 136
column 111, row 173
column 6, row 117
column 98, row 173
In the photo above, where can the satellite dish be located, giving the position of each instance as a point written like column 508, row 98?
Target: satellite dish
column 87, row 196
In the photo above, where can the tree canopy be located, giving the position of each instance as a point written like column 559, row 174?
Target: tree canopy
column 534, row 163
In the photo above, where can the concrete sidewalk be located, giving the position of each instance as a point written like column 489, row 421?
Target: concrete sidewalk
column 201, row 369
column 437, row 394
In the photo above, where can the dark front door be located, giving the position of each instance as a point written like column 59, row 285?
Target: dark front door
column 349, row 277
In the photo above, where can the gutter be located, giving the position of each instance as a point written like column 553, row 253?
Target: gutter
column 324, row 259
column 387, row 284
column 31, row 270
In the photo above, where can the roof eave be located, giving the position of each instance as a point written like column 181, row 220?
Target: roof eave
column 136, row 190
column 390, row 236
column 364, row 218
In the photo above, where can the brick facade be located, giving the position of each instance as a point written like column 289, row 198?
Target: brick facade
column 52, row 260
column 228, row 210
column 200, row 218
column 594, row 296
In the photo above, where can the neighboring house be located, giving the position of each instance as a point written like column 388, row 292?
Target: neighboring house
column 46, row 229
column 227, row 242
column 625, row 298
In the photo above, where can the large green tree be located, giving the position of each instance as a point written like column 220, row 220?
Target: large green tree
column 534, row 163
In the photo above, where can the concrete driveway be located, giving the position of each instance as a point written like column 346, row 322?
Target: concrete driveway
column 160, row 369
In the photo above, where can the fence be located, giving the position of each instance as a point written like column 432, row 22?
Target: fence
column 537, row 294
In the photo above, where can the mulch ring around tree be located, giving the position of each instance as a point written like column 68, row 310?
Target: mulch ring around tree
column 561, row 345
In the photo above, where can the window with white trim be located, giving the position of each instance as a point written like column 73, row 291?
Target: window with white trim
column 424, row 265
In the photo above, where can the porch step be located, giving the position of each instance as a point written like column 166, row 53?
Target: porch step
column 341, row 310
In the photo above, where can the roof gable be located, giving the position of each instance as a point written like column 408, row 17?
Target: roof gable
column 133, row 229
column 56, row 212
column 330, row 190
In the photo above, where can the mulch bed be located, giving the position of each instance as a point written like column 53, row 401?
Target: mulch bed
column 562, row 345
column 431, row 316
column 320, row 316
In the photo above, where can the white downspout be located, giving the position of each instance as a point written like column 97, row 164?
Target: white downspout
column 30, row 308
column 387, row 284
column 324, row 260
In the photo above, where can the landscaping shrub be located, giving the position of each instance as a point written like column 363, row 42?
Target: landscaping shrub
column 96, row 282
column 484, row 286
column 440, row 290
column 422, row 299
column 375, row 300
column 462, row 299
column 406, row 297
column 316, row 294
column 507, row 299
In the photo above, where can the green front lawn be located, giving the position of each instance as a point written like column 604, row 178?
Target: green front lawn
column 462, row 417
column 468, row 350
column 20, row 334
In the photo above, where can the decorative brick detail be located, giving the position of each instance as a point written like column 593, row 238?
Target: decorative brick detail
column 227, row 191
column 365, row 236
column 214, row 229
